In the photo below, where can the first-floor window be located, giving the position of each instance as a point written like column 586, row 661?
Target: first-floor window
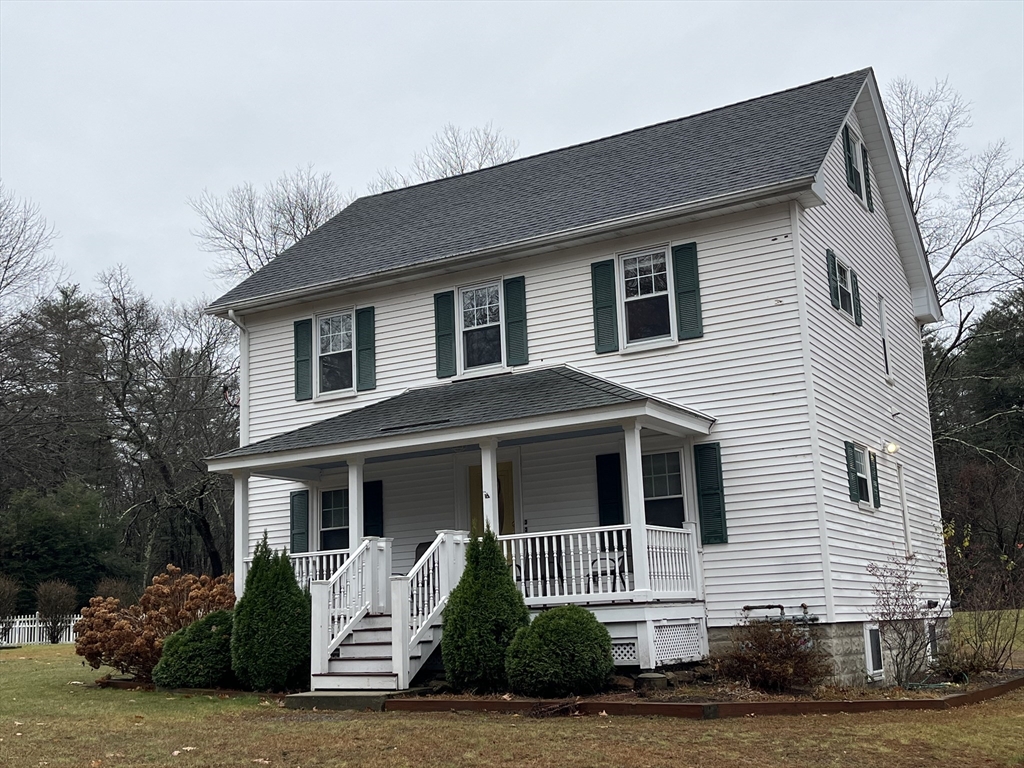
column 646, row 296
column 863, row 485
column 481, row 326
column 663, row 489
column 335, row 352
column 334, row 519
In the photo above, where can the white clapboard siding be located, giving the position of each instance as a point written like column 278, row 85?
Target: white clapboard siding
column 747, row 371
column 855, row 403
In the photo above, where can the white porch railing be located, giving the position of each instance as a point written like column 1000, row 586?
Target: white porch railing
column 355, row 589
column 312, row 566
column 418, row 599
column 582, row 565
column 672, row 561
column 31, row 630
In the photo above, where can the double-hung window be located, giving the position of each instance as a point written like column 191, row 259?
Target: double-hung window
column 663, row 489
column 843, row 287
column 334, row 352
column 334, row 519
column 481, row 325
column 862, row 475
column 858, row 173
column 646, row 303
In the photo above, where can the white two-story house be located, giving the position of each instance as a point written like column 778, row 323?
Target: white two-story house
column 677, row 370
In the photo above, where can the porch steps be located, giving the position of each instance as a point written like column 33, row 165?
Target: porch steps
column 362, row 662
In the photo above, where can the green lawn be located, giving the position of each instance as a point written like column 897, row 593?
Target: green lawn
column 47, row 720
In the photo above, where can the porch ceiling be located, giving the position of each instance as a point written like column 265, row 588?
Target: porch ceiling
column 504, row 406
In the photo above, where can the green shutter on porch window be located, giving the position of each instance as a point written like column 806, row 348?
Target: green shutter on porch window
column 688, row 312
column 874, row 480
column 867, row 180
column 444, row 333
column 516, row 348
column 855, row 290
column 609, row 490
column 833, row 277
column 373, row 508
column 851, row 471
column 303, row 332
column 366, row 350
column 707, row 459
column 606, row 320
column 300, row 521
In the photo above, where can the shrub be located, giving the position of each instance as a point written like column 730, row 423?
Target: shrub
column 901, row 615
column 270, row 640
column 198, row 656
column 484, row 612
column 564, row 651
column 776, row 655
column 122, row 589
column 9, row 590
column 57, row 602
column 130, row 639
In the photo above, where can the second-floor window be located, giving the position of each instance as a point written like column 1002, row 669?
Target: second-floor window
column 481, row 325
column 335, row 352
column 645, row 284
column 845, row 288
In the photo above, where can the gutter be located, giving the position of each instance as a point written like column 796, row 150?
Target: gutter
column 540, row 242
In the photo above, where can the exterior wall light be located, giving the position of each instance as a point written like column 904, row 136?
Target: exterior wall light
column 890, row 447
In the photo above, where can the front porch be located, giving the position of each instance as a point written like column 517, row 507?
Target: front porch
column 592, row 505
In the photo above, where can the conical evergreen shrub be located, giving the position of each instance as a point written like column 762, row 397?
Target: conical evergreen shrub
column 484, row 612
column 270, row 638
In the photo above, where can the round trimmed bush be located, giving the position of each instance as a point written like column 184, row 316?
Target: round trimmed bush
column 198, row 656
column 565, row 651
column 483, row 614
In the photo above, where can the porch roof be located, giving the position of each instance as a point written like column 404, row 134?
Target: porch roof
column 503, row 405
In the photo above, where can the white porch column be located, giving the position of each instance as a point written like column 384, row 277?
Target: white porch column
column 489, row 477
column 355, row 503
column 241, row 528
column 635, row 506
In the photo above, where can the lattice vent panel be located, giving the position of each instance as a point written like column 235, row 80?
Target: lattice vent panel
column 677, row 642
column 624, row 652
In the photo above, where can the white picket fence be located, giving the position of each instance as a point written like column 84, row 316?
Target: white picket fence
column 31, row 630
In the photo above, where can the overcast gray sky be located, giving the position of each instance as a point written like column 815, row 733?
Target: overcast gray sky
column 113, row 114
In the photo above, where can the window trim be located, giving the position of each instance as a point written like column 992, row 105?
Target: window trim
column 856, row 153
column 873, row 675
column 670, row 339
column 460, row 349
column 351, row 391
column 868, row 502
column 840, row 264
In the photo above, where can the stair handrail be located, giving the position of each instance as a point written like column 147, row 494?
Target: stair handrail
column 353, row 591
column 419, row 597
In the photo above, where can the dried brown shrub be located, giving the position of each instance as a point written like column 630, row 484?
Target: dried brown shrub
column 130, row 639
column 776, row 654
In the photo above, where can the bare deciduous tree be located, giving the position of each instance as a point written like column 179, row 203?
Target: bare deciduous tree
column 25, row 258
column 452, row 152
column 247, row 228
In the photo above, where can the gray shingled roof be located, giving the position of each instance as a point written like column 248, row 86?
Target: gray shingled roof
column 471, row 402
column 769, row 140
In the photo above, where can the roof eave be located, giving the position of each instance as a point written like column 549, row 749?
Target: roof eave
column 807, row 189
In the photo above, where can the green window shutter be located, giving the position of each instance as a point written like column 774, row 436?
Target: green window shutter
column 851, row 471
column 606, row 319
column 609, row 490
column 300, row 521
column 867, row 180
column 516, row 349
column 707, row 459
column 874, row 480
column 303, row 330
column 833, row 277
column 688, row 314
column 444, row 333
column 373, row 508
column 366, row 350
column 855, row 290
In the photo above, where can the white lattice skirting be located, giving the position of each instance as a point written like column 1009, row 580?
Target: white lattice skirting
column 677, row 641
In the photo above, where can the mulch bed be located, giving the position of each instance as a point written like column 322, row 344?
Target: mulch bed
column 661, row 703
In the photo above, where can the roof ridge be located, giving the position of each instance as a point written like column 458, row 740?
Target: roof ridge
column 602, row 139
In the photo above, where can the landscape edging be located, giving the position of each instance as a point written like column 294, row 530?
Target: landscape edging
column 699, row 711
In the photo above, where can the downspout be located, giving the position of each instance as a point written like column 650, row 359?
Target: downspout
column 243, row 378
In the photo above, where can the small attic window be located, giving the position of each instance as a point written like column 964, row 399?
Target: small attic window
column 858, row 175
